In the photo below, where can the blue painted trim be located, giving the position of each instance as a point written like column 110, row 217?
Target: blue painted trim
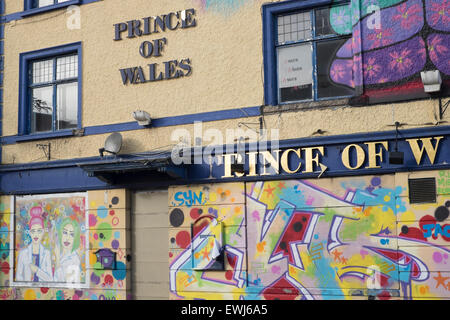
column 46, row 135
column 326, row 141
column 24, row 59
column 156, row 123
column 177, row 120
column 270, row 11
column 29, row 11
column 67, row 175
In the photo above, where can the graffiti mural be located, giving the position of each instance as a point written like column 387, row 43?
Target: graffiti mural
column 51, row 240
column 188, row 233
column 221, row 6
column 82, row 244
column 392, row 41
column 346, row 238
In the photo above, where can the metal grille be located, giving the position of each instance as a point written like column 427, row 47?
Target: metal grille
column 422, row 190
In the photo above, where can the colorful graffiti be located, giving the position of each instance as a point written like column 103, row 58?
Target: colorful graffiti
column 392, row 41
column 51, row 240
column 82, row 241
column 221, row 6
column 344, row 238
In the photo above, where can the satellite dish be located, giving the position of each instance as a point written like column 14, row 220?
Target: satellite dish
column 113, row 144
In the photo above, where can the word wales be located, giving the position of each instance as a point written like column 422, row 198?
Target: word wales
column 155, row 25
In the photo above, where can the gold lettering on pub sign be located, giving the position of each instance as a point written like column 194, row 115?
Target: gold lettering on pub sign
column 427, row 146
column 353, row 157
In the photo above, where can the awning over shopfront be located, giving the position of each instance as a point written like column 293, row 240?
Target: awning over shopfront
column 112, row 168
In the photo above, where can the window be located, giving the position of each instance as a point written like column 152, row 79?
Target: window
column 43, row 3
column 300, row 50
column 50, row 90
column 32, row 7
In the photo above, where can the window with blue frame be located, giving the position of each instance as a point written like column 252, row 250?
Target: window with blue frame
column 301, row 50
column 32, row 7
column 50, row 90
column 43, row 3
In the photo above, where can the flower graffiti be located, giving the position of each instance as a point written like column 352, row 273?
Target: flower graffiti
column 410, row 35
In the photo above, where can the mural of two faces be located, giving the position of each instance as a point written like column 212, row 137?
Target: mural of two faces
column 342, row 238
column 64, row 246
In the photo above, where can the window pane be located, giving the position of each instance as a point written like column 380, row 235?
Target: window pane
column 294, row 27
column 67, row 106
column 295, row 72
column 326, row 52
column 42, row 71
column 334, row 20
column 66, row 67
column 43, row 3
column 42, row 109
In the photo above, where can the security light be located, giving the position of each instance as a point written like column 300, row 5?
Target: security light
column 142, row 117
column 431, row 80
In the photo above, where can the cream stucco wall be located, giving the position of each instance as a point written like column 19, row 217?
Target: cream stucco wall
column 226, row 53
column 224, row 50
column 333, row 121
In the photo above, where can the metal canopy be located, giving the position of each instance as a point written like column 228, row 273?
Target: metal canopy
column 111, row 168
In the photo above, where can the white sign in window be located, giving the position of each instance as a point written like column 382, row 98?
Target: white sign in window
column 295, row 72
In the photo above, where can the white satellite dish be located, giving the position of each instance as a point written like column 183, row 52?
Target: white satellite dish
column 113, row 144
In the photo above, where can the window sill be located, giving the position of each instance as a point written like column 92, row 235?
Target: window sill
column 30, row 12
column 46, row 135
column 307, row 105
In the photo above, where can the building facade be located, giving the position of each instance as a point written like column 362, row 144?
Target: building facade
column 239, row 149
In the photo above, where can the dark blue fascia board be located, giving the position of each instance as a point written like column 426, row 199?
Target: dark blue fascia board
column 29, row 12
column 68, row 175
column 353, row 138
column 24, row 59
column 367, row 137
column 270, row 11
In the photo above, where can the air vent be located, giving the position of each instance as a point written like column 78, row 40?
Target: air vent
column 422, row 190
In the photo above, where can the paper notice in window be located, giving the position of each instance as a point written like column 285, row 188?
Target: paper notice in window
column 295, row 66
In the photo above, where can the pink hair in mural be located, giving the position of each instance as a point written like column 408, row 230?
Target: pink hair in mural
column 36, row 217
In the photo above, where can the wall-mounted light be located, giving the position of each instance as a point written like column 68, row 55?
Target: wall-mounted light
column 113, row 144
column 431, row 80
column 142, row 117
column 396, row 157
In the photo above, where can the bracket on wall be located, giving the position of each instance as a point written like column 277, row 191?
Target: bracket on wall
column 46, row 148
column 442, row 108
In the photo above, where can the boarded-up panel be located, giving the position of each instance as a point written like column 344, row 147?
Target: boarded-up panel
column 150, row 267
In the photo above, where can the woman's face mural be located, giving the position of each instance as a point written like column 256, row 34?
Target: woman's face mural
column 68, row 236
column 36, row 233
column 57, row 226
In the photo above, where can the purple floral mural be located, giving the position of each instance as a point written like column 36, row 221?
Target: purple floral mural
column 409, row 37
